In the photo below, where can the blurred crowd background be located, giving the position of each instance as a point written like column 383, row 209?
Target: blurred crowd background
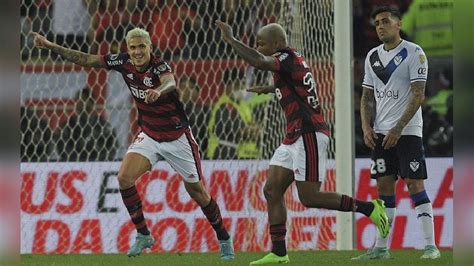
column 227, row 122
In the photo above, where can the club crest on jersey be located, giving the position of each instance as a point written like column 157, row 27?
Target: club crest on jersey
column 414, row 166
column 147, row 82
column 398, row 59
column 376, row 64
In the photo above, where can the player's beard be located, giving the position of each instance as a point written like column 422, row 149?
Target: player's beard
column 387, row 39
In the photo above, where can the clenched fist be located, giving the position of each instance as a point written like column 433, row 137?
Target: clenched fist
column 40, row 41
column 152, row 96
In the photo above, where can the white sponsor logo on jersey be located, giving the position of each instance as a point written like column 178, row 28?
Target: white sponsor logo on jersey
column 130, row 76
column 115, row 63
column 140, row 94
column 387, row 93
column 113, row 56
column 392, row 85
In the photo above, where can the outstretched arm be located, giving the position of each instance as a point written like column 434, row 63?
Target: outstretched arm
column 77, row 57
column 250, row 55
column 262, row 89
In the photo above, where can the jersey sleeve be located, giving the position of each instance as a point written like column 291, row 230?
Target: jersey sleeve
column 284, row 62
column 162, row 68
column 115, row 61
column 368, row 81
column 418, row 67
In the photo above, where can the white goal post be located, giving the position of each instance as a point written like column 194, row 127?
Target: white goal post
column 344, row 128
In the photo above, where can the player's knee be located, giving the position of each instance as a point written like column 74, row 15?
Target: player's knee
column 386, row 188
column 305, row 201
column 415, row 185
column 197, row 193
column 125, row 181
column 267, row 192
column 309, row 199
column 270, row 193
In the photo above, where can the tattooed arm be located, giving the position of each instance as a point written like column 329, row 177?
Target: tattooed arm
column 418, row 96
column 250, row 55
column 77, row 57
column 366, row 110
column 262, row 89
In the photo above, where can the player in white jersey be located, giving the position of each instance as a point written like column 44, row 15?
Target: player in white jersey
column 395, row 77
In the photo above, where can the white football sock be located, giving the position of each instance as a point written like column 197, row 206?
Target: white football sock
column 424, row 214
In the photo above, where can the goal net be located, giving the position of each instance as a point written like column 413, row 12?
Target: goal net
column 77, row 123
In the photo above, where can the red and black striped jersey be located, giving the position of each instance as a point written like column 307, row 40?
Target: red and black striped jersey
column 295, row 88
column 162, row 120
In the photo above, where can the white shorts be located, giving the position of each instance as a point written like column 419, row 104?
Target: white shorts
column 306, row 157
column 182, row 154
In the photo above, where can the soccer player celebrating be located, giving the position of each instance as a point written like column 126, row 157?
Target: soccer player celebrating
column 395, row 76
column 302, row 155
column 165, row 132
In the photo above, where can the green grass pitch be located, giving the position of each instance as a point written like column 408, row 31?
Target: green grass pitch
column 400, row 257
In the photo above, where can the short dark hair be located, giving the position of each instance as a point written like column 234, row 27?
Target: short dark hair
column 391, row 9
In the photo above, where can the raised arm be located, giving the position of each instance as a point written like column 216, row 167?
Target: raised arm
column 250, row 55
column 262, row 89
column 74, row 56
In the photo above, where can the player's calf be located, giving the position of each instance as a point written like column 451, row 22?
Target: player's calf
column 213, row 214
column 375, row 210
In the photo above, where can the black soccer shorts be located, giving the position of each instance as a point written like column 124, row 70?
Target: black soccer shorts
column 405, row 160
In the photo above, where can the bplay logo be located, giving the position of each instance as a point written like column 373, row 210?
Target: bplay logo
column 387, row 94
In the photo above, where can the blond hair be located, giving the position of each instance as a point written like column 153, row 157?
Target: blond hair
column 138, row 32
